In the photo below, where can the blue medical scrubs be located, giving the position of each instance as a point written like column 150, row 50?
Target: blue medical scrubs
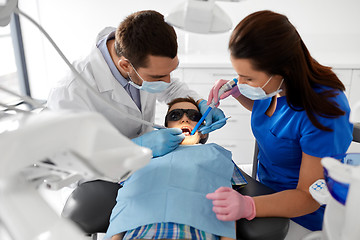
column 286, row 134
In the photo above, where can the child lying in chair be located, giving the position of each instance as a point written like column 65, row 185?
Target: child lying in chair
column 166, row 198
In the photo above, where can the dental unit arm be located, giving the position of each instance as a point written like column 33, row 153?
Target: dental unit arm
column 226, row 87
column 81, row 145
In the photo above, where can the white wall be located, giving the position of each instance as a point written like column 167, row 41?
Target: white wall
column 328, row 27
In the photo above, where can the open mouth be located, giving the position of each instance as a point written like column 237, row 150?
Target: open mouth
column 186, row 131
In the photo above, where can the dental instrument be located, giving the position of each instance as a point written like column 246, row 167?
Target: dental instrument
column 213, row 124
column 226, row 87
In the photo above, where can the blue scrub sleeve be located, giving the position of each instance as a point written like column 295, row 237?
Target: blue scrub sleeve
column 320, row 143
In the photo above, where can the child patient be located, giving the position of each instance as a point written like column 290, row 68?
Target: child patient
column 166, row 198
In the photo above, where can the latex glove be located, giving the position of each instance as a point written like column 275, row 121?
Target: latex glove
column 161, row 141
column 214, row 92
column 229, row 205
column 233, row 92
column 215, row 115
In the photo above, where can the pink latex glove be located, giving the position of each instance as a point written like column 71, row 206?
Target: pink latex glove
column 215, row 91
column 229, row 205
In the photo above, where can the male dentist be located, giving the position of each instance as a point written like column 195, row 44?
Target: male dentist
column 131, row 67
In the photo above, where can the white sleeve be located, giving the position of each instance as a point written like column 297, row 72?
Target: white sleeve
column 68, row 97
column 177, row 89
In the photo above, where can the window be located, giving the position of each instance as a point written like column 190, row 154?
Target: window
column 8, row 70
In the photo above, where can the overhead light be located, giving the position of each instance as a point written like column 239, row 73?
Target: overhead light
column 6, row 9
column 200, row 16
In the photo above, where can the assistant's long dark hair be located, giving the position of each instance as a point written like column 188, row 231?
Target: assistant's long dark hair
column 274, row 46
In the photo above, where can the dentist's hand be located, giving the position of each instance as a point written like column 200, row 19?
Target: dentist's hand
column 214, row 92
column 160, row 141
column 229, row 205
column 215, row 115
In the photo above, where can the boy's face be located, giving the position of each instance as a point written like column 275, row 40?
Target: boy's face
column 185, row 124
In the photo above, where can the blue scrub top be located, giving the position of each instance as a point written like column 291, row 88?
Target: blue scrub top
column 286, row 134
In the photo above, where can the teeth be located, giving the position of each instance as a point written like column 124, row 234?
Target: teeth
column 186, row 131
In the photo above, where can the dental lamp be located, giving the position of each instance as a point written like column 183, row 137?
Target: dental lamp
column 200, row 16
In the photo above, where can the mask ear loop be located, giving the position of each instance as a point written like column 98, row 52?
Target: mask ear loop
column 267, row 81
column 277, row 90
column 280, row 85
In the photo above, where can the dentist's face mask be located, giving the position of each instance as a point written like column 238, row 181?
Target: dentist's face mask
column 151, row 87
column 257, row 93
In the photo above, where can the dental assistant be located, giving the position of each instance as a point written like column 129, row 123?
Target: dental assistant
column 300, row 114
column 131, row 67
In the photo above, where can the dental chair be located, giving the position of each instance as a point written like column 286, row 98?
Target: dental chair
column 91, row 203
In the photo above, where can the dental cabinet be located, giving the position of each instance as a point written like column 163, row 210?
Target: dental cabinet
column 200, row 73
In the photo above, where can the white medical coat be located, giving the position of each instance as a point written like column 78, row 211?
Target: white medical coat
column 71, row 93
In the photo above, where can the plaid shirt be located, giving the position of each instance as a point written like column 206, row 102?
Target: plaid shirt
column 171, row 230
column 168, row 230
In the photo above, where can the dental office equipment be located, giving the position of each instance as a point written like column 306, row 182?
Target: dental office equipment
column 341, row 193
column 81, row 145
column 11, row 6
column 34, row 103
column 213, row 124
column 226, row 87
column 200, row 16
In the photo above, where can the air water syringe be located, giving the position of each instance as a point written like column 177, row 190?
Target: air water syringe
column 224, row 88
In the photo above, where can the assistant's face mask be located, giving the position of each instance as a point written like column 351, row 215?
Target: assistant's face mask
column 257, row 93
column 151, row 87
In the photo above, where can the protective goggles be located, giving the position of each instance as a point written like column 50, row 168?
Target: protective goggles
column 177, row 114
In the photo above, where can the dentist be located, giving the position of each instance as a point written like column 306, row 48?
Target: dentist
column 300, row 114
column 131, row 67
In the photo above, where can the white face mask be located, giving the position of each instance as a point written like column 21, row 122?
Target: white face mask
column 257, row 93
column 151, row 87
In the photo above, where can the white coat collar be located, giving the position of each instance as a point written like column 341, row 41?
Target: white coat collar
column 104, row 33
column 105, row 81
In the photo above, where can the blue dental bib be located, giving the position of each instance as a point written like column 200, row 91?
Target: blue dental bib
column 172, row 188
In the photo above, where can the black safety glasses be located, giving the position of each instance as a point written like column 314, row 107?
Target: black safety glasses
column 177, row 114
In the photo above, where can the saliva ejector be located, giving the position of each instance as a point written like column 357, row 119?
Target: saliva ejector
column 224, row 88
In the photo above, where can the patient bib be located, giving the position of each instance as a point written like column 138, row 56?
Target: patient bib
column 172, row 188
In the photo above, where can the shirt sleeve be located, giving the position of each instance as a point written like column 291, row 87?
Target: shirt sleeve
column 237, row 178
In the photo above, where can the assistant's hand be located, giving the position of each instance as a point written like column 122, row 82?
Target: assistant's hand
column 161, row 141
column 215, row 115
column 214, row 92
column 229, row 205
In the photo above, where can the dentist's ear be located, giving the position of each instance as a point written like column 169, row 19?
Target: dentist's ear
column 124, row 64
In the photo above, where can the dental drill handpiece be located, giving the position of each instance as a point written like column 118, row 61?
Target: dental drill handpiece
column 224, row 88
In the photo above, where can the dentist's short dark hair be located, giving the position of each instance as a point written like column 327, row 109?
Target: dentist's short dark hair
column 145, row 33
